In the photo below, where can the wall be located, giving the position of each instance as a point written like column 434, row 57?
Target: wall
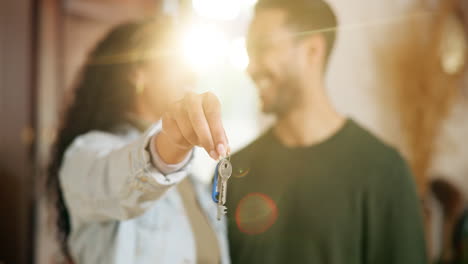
column 17, row 57
column 451, row 159
column 354, row 77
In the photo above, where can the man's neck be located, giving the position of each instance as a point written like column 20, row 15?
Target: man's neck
column 309, row 124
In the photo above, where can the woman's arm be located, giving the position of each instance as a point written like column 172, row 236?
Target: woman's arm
column 105, row 178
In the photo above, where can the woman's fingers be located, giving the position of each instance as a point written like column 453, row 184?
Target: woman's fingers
column 196, row 121
column 212, row 110
column 194, row 108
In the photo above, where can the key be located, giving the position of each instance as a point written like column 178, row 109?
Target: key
column 224, row 173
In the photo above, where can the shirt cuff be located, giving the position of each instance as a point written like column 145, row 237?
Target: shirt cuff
column 162, row 166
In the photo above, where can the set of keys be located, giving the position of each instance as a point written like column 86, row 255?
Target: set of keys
column 222, row 174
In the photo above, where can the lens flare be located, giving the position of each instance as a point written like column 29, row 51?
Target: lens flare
column 256, row 213
column 203, row 46
column 238, row 56
column 240, row 173
column 217, row 9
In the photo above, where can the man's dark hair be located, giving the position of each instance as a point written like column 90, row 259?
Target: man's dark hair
column 307, row 17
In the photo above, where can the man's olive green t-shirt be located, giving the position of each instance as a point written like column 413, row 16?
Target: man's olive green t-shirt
column 349, row 199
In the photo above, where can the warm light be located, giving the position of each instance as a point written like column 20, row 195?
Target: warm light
column 248, row 3
column 238, row 55
column 217, row 9
column 204, row 46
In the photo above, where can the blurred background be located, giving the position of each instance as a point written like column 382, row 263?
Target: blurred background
column 399, row 68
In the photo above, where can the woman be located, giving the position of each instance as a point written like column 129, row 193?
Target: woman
column 119, row 168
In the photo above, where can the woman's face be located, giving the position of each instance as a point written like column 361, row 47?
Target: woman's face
column 162, row 82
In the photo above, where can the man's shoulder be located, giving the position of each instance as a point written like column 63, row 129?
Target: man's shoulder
column 383, row 161
column 369, row 146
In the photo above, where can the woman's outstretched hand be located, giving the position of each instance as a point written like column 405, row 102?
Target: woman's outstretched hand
column 193, row 121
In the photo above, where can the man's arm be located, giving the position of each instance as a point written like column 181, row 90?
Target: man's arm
column 394, row 226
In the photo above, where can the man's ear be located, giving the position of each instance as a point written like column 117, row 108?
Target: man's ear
column 316, row 48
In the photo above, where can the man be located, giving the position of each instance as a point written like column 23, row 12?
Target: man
column 316, row 187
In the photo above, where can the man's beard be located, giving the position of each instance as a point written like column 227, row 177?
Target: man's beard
column 287, row 97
